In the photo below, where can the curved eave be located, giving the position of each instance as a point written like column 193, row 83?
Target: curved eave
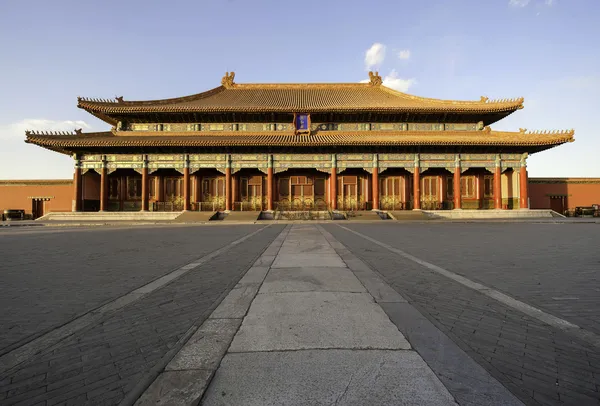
column 292, row 98
column 483, row 108
column 538, row 141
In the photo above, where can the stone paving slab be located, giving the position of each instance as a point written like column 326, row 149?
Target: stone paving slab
column 176, row 388
column 306, row 244
column 309, row 279
column 235, row 305
column 293, row 321
column 206, row 347
column 317, row 377
column 292, row 260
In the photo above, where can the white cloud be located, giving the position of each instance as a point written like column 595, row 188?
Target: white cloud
column 404, row 54
column 394, row 82
column 374, row 56
column 17, row 130
column 524, row 3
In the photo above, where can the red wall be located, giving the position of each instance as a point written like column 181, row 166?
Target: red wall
column 577, row 191
column 15, row 194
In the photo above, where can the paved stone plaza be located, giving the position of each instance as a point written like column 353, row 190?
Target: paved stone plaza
column 333, row 313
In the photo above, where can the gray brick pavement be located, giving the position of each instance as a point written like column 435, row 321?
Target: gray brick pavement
column 103, row 363
column 555, row 267
column 48, row 278
column 539, row 364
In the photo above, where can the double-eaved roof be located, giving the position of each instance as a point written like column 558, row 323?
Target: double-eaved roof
column 231, row 97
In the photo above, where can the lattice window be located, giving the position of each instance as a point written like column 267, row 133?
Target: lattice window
column 152, row 187
column 284, row 187
column 114, row 184
column 488, row 186
column 429, row 188
column 134, row 187
column 450, row 186
column 467, row 187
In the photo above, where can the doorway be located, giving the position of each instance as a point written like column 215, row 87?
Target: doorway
column 37, row 208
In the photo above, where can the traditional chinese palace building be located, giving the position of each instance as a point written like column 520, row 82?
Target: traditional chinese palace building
column 344, row 146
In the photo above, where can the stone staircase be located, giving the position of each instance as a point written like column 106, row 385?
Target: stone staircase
column 241, row 216
column 363, row 216
column 196, row 216
column 408, row 215
column 302, row 215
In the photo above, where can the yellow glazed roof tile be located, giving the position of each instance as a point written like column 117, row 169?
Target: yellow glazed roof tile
column 300, row 97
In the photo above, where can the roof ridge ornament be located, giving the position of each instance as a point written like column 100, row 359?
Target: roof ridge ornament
column 227, row 81
column 375, row 79
column 119, row 99
column 484, row 99
column 29, row 133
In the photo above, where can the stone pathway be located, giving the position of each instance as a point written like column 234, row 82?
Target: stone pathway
column 314, row 335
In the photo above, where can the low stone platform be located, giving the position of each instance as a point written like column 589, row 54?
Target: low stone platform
column 111, row 216
column 489, row 214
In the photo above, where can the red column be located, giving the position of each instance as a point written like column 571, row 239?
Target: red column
column 457, row 202
column 333, row 181
column 406, row 198
column 160, row 189
column 234, row 190
column 145, row 188
column 375, row 181
column 497, row 188
column 523, row 187
column 186, row 188
column 103, row 188
column 77, row 188
column 228, row 188
column 417, row 188
column 269, row 188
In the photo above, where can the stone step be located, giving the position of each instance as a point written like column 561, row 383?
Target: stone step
column 196, row 216
column 409, row 215
column 243, row 216
column 363, row 216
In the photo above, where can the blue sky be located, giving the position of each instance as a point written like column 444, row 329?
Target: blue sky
column 53, row 51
